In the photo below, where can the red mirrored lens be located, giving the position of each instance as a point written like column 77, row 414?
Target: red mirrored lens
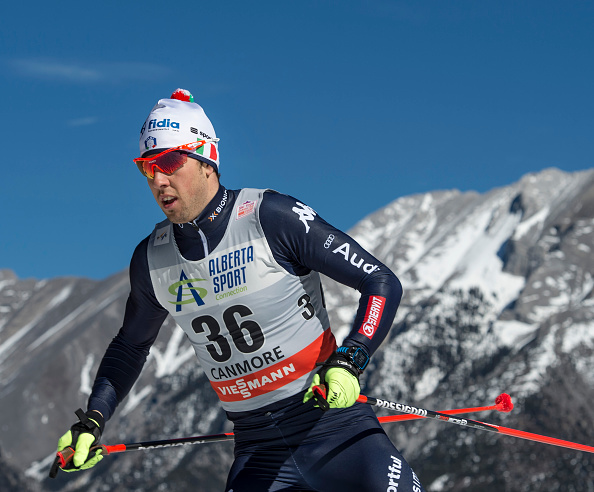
column 166, row 163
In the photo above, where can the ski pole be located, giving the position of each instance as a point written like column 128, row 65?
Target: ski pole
column 63, row 457
column 503, row 403
column 430, row 414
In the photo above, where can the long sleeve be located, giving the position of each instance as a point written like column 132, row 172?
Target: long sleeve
column 302, row 241
column 126, row 354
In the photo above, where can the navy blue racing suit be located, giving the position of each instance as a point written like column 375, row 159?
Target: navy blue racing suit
column 287, row 445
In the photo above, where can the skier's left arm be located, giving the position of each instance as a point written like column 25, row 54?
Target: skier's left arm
column 302, row 241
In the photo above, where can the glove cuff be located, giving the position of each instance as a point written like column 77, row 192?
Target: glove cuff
column 97, row 417
column 91, row 422
column 352, row 359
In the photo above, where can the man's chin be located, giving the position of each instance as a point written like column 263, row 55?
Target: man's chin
column 173, row 217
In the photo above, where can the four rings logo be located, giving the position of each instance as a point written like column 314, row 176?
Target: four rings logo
column 195, row 294
column 328, row 242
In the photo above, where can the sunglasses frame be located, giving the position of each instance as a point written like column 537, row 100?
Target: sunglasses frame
column 189, row 147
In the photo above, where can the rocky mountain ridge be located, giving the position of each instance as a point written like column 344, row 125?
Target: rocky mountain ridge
column 498, row 298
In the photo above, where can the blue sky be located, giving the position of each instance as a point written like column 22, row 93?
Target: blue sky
column 347, row 105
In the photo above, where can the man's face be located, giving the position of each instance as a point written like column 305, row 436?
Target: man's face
column 185, row 193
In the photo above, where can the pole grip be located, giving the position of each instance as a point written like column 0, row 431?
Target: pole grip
column 319, row 394
column 65, row 456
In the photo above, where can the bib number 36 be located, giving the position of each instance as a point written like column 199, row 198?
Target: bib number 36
column 246, row 334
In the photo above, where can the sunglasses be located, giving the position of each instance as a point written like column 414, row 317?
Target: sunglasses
column 169, row 160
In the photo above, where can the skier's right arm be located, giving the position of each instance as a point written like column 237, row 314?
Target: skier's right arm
column 122, row 363
column 126, row 354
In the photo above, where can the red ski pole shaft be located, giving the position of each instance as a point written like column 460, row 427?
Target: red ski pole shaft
column 503, row 403
column 544, row 439
column 430, row 414
column 458, row 411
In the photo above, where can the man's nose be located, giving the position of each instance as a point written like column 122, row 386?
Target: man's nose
column 160, row 180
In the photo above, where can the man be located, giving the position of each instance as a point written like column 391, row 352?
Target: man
column 238, row 271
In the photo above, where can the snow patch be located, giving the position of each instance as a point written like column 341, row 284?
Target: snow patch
column 7, row 348
column 38, row 469
column 428, row 382
column 171, row 359
column 94, row 308
column 511, row 333
column 85, row 375
column 134, row 398
column 61, row 297
column 439, row 483
column 469, row 255
column 542, row 359
column 5, row 283
column 537, row 220
column 482, row 267
column 578, row 334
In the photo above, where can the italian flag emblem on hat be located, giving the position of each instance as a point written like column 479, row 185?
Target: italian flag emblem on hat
column 209, row 151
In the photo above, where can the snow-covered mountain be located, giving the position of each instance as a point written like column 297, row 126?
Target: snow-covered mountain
column 498, row 298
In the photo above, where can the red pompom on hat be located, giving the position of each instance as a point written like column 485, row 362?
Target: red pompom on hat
column 182, row 95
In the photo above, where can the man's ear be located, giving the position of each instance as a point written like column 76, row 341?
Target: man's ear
column 208, row 169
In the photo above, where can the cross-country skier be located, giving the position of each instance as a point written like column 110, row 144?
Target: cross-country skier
column 238, row 270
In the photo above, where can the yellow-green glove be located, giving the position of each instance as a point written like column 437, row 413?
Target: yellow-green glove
column 81, row 436
column 81, row 459
column 340, row 389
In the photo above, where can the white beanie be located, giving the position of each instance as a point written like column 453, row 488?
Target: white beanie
column 178, row 121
